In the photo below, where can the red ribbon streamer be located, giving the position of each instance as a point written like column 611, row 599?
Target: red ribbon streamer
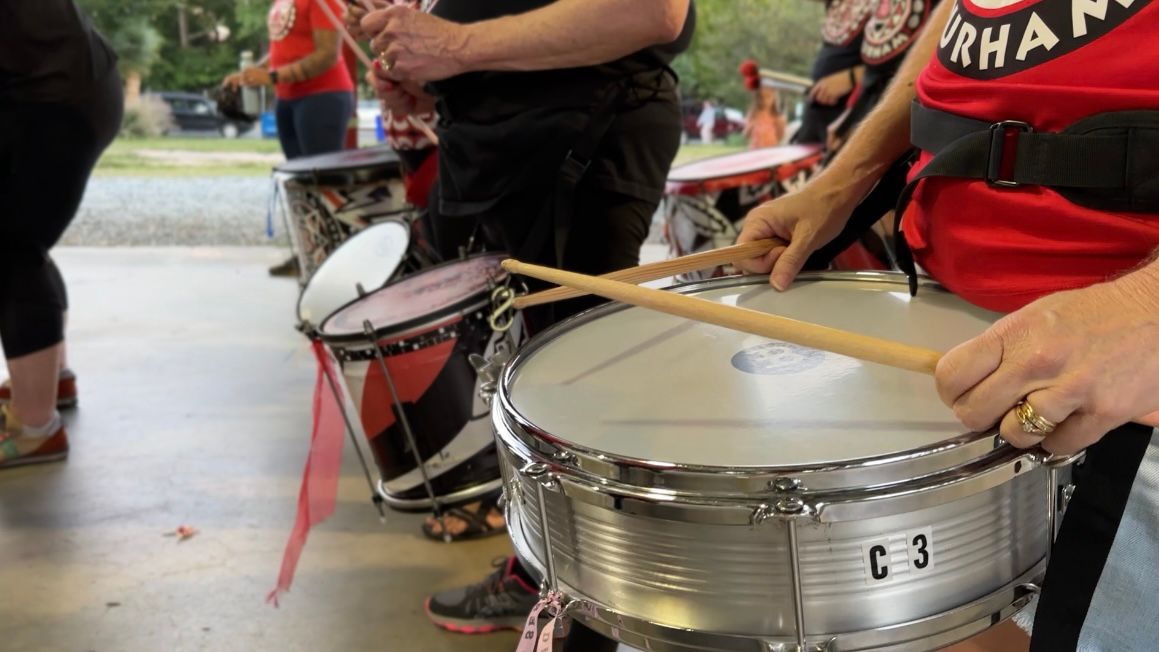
column 319, row 491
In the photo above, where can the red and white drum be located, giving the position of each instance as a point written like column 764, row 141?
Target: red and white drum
column 424, row 329
column 706, row 200
column 327, row 198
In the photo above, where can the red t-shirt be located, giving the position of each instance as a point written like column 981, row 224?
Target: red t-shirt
column 292, row 24
column 1039, row 62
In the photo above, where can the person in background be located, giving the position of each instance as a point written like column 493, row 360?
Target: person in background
column 837, row 70
column 314, row 90
column 61, row 101
column 764, row 124
column 707, row 122
column 557, row 129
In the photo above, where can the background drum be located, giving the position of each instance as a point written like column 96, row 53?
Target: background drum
column 705, row 201
column 413, row 385
column 704, row 489
column 326, row 198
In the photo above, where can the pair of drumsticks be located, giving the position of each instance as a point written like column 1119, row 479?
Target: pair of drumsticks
column 619, row 287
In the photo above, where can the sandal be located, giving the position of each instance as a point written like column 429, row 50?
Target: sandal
column 477, row 521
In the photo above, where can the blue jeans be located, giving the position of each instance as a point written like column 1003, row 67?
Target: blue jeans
column 314, row 124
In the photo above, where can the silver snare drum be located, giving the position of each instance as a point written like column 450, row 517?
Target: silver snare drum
column 705, row 489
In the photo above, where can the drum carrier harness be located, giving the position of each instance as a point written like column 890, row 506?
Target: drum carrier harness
column 1108, row 161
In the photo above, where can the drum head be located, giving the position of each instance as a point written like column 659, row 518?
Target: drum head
column 368, row 259
column 741, row 163
column 416, row 299
column 641, row 385
column 345, row 167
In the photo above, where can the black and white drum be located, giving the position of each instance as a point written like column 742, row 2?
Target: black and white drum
column 704, row 489
column 364, row 263
column 406, row 352
column 326, row 198
column 705, row 201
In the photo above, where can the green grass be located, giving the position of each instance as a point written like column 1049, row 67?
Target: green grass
column 689, row 153
column 122, row 158
column 262, row 146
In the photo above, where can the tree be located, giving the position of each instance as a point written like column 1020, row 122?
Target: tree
column 780, row 34
column 138, row 46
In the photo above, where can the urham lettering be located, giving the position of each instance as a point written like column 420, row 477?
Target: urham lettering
column 966, row 37
column 1080, row 9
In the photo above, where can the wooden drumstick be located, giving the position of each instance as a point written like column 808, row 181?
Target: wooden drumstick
column 662, row 269
column 854, row 345
column 338, row 25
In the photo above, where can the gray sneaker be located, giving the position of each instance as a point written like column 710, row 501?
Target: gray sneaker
column 501, row 601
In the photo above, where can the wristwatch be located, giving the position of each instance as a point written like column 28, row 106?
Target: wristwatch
column 273, row 76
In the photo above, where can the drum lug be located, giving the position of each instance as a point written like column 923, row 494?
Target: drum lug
column 490, row 369
column 785, row 484
column 564, row 457
column 789, row 507
column 540, row 473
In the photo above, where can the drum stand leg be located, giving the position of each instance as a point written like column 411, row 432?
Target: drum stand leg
column 374, row 497
column 368, row 330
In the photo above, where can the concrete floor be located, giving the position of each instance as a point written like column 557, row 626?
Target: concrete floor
column 195, row 406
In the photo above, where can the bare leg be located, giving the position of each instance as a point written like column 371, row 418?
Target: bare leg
column 34, row 380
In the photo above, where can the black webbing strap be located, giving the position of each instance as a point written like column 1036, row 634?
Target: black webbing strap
column 1108, row 161
column 571, row 171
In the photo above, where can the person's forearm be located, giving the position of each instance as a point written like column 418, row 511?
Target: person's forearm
column 324, row 56
column 883, row 136
column 571, row 33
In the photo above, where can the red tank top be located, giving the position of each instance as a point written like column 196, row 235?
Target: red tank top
column 1048, row 63
column 292, row 24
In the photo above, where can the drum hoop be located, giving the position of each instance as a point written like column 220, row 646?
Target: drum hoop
column 413, row 339
column 417, row 324
column 887, row 468
column 336, row 177
column 406, row 229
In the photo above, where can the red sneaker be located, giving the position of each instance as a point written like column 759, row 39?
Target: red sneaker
column 65, row 390
column 19, row 449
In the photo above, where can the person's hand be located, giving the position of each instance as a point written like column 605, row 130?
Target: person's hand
column 400, row 99
column 255, row 76
column 232, row 80
column 1085, row 359
column 807, row 220
column 355, row 12
column 416, row 46
column 831, row 88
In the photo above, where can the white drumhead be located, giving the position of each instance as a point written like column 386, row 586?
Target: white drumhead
column 645, row 385
column 420, row 295
column 369, row 258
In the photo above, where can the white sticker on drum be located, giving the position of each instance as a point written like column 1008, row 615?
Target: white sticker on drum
column 921, row 550
column 880, row 565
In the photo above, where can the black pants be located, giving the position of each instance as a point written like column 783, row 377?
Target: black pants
column 47, row 152
column 314, row 124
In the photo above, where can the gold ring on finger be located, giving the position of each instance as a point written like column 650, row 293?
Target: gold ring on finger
column 1031, row 421
column 384, row 62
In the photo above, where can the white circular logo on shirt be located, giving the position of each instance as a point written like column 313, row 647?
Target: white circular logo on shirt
column 844, row 20
column 281, row 19
column 892, row 28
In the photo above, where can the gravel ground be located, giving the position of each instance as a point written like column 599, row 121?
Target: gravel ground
column 150, row 211
column 187, row 211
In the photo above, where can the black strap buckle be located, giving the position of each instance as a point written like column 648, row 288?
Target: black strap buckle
column 998, row 132
column 574, row 167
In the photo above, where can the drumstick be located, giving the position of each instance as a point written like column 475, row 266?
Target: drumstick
column 338, row 25
column 854, row 345
column 662, row 269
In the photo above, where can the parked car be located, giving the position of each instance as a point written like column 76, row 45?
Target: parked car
column 195, row 113
column 729, row 121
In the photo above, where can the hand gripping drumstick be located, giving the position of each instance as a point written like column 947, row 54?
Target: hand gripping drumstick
column 854, row 345
column 416, row 123
column 662, row 269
